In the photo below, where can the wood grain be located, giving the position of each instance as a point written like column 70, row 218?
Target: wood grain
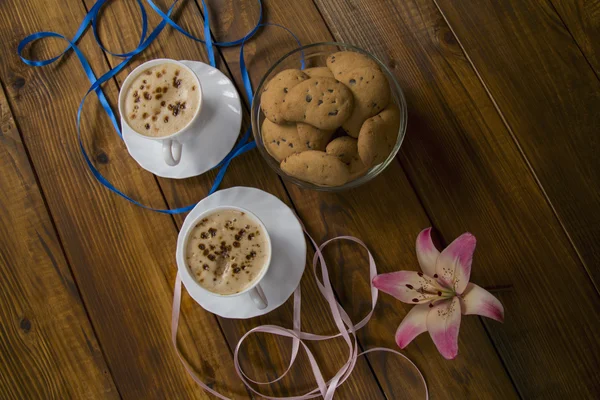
column 365, row 212
column 122, row 256
column 555, row 118
column 470, row 175
column 462, row 157
column 582, row 19
column 271, row 355
column 48, row 349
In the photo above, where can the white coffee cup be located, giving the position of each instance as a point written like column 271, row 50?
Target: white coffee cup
column 253, row 291
column 172, row 145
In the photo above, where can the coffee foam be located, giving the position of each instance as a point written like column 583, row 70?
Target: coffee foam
column 161, row 100
column 227, row 251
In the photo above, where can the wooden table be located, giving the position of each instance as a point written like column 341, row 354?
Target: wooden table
column 502, row 141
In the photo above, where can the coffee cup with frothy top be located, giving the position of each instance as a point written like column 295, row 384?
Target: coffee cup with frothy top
column 226, row 252
column 160, row 100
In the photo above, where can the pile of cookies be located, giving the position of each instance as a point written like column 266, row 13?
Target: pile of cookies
column 330, row 125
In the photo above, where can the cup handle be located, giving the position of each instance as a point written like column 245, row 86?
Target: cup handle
column 258, row 297
column 171, row 151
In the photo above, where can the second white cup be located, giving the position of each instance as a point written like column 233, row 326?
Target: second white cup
column 253, row 291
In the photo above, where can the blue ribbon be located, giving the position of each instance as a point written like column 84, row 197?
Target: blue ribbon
column 244, row 70
column 91, row 19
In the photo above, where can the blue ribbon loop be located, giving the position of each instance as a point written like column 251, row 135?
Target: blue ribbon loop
column 91, row 18
column 244, row 70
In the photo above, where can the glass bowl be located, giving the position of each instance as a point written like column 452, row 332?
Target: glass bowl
column 315, row 55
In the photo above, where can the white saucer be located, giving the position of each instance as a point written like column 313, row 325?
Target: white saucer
column 212, row 136
column 288, row 247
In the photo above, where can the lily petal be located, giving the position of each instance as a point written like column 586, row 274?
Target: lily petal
column 410, row 287
column 413, row 324
column 453, row 266
column 427, row 254
column 443, row 323
column 477, row 300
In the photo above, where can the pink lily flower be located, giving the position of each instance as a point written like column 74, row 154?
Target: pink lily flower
column 441, row 293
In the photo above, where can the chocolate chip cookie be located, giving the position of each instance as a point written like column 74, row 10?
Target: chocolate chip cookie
column 345, row 61
column 275, row 91
column 378, row 136
column 345, row 148
column 281, row 140
column 318, row 72
column 316, row 167
column 371, row 92
column 321, row 102
column 313, row 138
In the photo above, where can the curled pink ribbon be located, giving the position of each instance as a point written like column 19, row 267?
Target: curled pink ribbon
column 340, row 317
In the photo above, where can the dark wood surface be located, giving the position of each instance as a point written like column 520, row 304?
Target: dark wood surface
column 554, row 121
column 48, row 345
column 504, row 111
column 485, row 186
column 582, row 20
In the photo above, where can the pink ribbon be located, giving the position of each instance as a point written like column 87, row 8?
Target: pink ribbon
column 344, row 325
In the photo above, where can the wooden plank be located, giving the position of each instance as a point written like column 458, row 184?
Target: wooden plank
column 582, row 19
column 47, row 346
column 122, row 256
column 387, row 215
column 555, row 118
column 470, row 175
column 270, row 354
